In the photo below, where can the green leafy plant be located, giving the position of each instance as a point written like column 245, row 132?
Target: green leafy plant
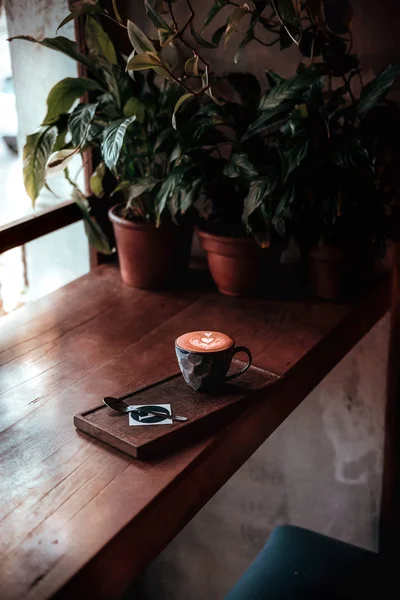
column 332, row 145
column 193, row 75
column 131, row 126
column 253, row 165
column 319, row 28
column 300, row 158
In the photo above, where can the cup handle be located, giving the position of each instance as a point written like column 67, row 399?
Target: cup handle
column 236, row 351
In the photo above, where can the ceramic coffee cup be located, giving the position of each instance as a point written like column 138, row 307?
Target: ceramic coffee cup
column 204, row 358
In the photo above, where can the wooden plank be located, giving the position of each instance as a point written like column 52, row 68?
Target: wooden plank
column 59, row 353
column 75, row 515
column 202, row 412
column 24, row 230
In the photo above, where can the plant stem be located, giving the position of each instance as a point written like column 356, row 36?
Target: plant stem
column 181, row 31
column 283, row 23
column 349, row 89
column 179, row 35
column 106, row 14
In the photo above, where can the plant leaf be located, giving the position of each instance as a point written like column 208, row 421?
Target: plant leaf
column 294, row 155
column 59, row 160
column 140, row 187
column 166, row 36
column 200, row 40
column 135, row 108
column 269, row 118
column 259, row 190
column 192, row 66
column 217, row 35
column 138, row 39
column 86, row 8
column 98, row 42
column 60, row 141
column 349, row 154
column 96, row 237
column 249, row 37
column 286, row 199
column 273, row 78
column 113, row 138
column 63, row 95
column 116, row 11
column 155, row 18
column 253, row 199
column 96, row 180
column 213, row 98
column 214, row 10
column 240, row 166
column 160, row 7
column 79, row 122
column 191, row 196
column 287, row 12
column 36, row 152
column 181, row 100
column 164, row 195
column 145, row 60
column 289, row 89
column 237, row 15
column 375, row 91
column 67, row 47
column 123, row 185
column 141, row 62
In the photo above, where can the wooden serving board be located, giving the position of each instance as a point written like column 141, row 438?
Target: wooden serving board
column 201, row 409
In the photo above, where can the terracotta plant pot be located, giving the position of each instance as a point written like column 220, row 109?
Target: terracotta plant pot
column 236, row 263
column 149, row 256
column 340, row 270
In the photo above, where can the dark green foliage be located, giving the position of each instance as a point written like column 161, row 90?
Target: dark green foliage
column 307, row 157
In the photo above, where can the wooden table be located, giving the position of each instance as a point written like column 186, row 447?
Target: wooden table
column 76, row 515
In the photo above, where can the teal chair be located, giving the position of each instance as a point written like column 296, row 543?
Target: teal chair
column 297, row 564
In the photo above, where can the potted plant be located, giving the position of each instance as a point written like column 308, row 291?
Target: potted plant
column 335, row 136
column 240, row 234
column 332, row 143
column 130, row 124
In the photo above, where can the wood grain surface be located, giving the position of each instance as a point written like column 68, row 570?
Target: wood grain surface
column 78, row 519
column 202, row 411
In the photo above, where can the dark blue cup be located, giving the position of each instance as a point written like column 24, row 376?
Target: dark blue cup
column 204, row 358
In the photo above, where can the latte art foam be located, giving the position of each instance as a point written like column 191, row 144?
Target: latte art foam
column 204, row 341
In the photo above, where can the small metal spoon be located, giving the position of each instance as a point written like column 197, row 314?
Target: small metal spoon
column 120, row 406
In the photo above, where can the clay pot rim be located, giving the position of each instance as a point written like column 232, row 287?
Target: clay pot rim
column 226, row 239
column 114, row 218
